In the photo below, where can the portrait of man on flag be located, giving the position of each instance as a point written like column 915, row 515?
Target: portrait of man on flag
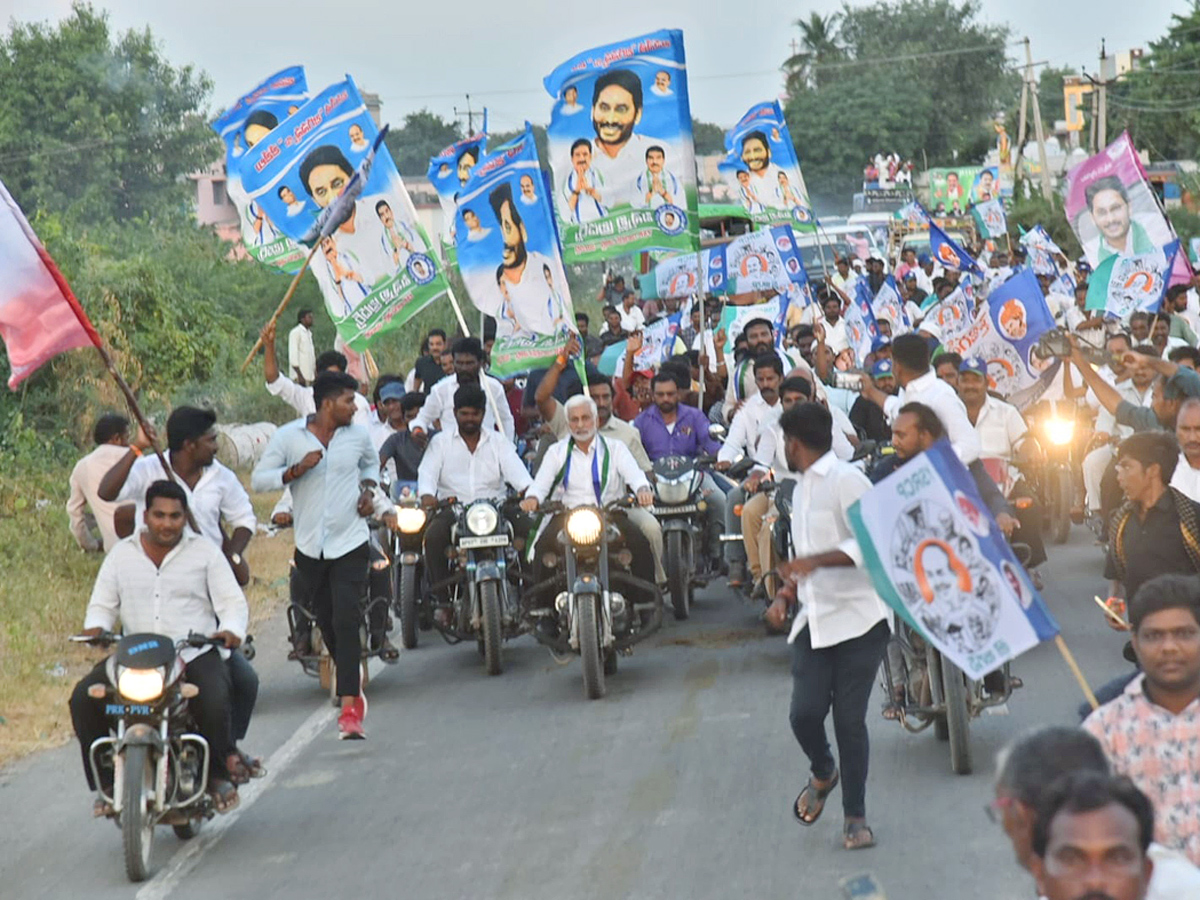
column 448, row 174
column 762, row 171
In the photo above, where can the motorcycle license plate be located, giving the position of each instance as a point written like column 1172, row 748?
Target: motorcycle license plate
column 127, row 709
column 673, row 510
column 474, row 543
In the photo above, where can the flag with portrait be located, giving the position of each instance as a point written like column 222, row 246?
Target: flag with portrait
column 240, row 127
column 861, row 328
column 621, row 151
column 938, row 558
column 888, row 304
column 376, row 269
column 508, row 255
column 448, row 174
column 990, row 219
column 1123, row 285
column 764, row 260
column 762, row 172
column 686, row 275
column 948, row 253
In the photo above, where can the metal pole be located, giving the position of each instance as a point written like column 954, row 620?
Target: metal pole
column 1037, row 122
column 1102, row 113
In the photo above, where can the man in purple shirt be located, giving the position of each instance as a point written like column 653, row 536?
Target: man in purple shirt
column 670, row 428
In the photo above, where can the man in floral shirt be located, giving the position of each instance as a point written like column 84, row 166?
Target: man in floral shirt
column 1151, row 732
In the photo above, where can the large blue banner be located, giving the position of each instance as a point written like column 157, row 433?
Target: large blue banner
column 509, row 257
column 376, row 270
column 765, row 260
column 242, row 126
column 762, row 171
column 448, row 173
column 621, row 149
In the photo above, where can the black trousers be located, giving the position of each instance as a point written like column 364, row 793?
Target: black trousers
column 840, row 677
column 1030, row 530
column 332, row 589
column 377, row 618
column 643, row 557
column 210, row 708
column 244, row 693
column 437, row 539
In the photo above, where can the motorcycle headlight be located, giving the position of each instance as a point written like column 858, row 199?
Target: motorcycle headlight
column 140, row 685
column 482, row 519
column 584, row 526
column 673, row 492
column 411, row 519
column 1059, row 431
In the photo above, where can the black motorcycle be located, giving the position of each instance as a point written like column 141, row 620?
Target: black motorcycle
column 593, row 605
column 408, row 571
column 158, row 761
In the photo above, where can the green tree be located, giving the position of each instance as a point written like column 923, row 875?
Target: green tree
column 422, row 136
column 1157, row 103
column 97, row 123
column 709, row 138
column 820, row 45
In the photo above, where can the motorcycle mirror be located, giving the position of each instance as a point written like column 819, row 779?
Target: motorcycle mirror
column 717, row 431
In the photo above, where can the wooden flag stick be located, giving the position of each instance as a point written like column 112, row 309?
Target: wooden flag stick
column 1074, row 667
column 287, row 298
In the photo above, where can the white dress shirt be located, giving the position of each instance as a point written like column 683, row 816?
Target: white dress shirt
column 741, row 379
column 217, row 495
column 193, row 590
column 325, row 498
column 85, row 479
column 769, row 452
column 1186, row 479
column 747, row 427
column 931, row 391
column 1000, row 427
column 577, row 487
column 836, row 338
column 439, row 407
column 301, row 400
column 614, row 429
column 1106, row 422
column 838, row 603
column 450, row 469
column 301, row 355
column 632, row 319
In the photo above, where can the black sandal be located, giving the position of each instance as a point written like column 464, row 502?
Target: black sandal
column 819, row 797
column 224, row 795
column 857, row 836
column 388, row 652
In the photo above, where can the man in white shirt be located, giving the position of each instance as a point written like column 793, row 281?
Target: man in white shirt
column 587, row 469
column 760, row 339
column 1132, row 383
column 632, row 317
column 302, row 358
column 468, row 369
column 840, row 631
column 300, row 397
column 111, row 434
column 1187, row 432
column 168, row 580
column 920, row 384
column 466, row 463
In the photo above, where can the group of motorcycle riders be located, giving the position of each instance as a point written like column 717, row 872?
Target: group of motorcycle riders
column 746, row 423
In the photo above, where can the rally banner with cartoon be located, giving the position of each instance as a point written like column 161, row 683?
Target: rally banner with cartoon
column 1123, row 285
column 765, row 260
column 952, row 191
column 938, row 558
column 685, row 275
column 448, row 174
column 763, row 172
column 509, row 258
column 376, row 270
column 952, row 315
column 242, row 126
column 620, row 143
column 1004, row 335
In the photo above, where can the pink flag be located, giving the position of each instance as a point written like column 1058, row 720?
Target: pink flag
column 39, row 316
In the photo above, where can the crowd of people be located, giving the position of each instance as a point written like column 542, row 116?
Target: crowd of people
column 796, row 404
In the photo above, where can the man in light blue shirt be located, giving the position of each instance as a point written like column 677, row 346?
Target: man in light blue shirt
column 332, row 468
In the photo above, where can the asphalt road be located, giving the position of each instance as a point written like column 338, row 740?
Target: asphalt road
column 677, row 784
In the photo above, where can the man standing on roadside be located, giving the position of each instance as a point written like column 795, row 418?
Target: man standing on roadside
column 111, row 436
column 302, row 358
column 332, row 468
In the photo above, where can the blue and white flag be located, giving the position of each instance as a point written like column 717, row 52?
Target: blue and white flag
column 765, row 260
column 375, row 269
column 990, row 218
column 888, row 304
column 952, row 315
column 913, row 213
column 242, row 126
column 948, row 253
column 1037, row 236
column 658, row 345
column 1004, row 334
column 1123, row 285
column 762, row 171
column 686, row 275
column 448, row 173
column 735, row 317
column 508, row 254
column 938, row 558
column 861, row 328
column 620, row 144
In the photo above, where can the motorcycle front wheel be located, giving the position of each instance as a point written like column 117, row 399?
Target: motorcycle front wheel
column 489, row 603
column 137, row 818
column 591, row 654
column 678, row 576
column 406, row 595
column 1060, row 505
column 958, row 717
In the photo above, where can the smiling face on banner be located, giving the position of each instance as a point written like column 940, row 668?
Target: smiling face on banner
column 761, row 170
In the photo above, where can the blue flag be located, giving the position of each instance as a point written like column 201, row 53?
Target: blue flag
column 765, row 260
column 948, row 253
column 762, row 171
column 448, row 173
column 888, row 304
column 861, row 328
column 1123, row 285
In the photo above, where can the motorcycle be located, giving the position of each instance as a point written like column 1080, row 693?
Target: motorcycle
column 679, row 507
column 1051, row 474
column 579, row 609
column 408, row 571
column 159, row 762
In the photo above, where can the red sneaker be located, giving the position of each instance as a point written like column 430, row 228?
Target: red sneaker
column 350, row 722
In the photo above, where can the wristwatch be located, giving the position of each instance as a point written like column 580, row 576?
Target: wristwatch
column 235, row 558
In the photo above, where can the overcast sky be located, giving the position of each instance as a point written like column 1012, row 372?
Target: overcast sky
column 430, row 54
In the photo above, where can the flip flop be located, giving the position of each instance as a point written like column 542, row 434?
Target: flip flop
column 857, row 836
column 224, row 795
column 102, row 808
column 817, row 805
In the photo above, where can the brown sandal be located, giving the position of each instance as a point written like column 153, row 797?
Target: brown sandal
column 816, row 804
column 857, row 836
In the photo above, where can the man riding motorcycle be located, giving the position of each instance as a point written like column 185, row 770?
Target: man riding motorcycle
column 168, row 580
column 465, row 464
column 587, row 469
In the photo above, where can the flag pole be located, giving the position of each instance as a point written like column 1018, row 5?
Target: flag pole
column 483, row 376
column 287, row 298
column 1074, row 667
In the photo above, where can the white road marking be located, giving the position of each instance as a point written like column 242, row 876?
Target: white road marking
column 185, row 859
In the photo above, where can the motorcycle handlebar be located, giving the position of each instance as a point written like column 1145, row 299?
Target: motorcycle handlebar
column 103, row 639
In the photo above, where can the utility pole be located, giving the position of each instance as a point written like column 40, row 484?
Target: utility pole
column 468, row 114
column 1102, row 112
column 1031, row 90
